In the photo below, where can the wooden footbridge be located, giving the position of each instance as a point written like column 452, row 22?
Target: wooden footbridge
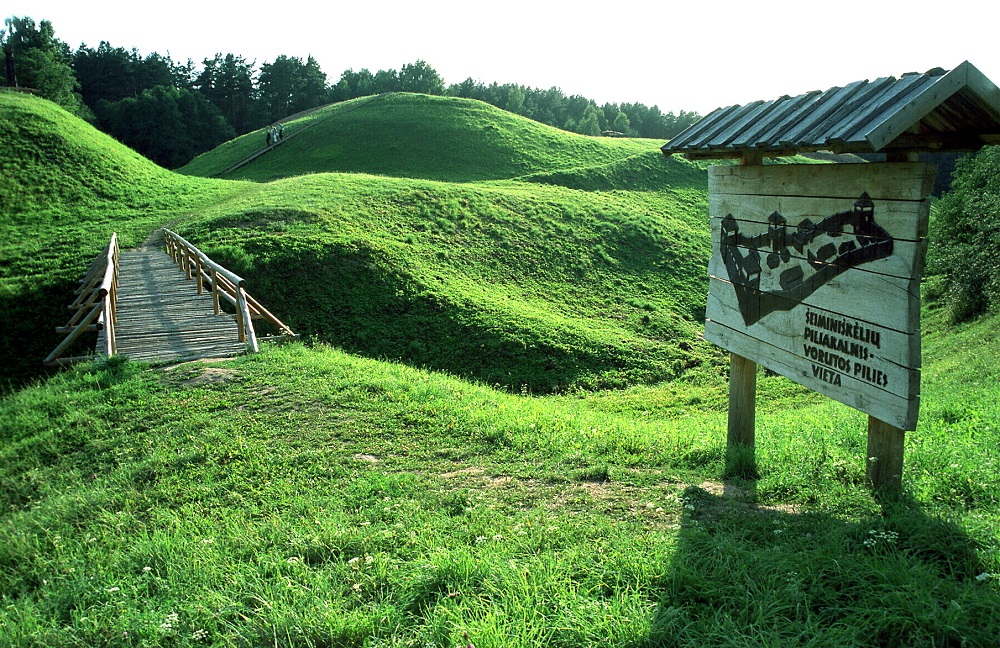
column 166, row 305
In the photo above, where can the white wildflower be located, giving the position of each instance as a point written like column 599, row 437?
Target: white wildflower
column 169, row 623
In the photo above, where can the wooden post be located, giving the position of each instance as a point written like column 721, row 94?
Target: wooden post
column 201, row 285
column 215, row 291
column 884, row 458
column 740, row 454
column 250, row 337
column 109, row 328
column 240, row 322
column 884, row 471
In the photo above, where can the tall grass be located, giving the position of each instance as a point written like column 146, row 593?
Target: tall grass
column 308, row 497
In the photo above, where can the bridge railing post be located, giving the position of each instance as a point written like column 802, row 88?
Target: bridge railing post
column 240, row 323
column 247, row 333
column 215, row 292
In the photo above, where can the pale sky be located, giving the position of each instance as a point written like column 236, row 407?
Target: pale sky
column 691, row 55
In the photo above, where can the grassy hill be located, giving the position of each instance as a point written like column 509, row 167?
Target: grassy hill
column 531, row 287
column 504, row 430
column 529, row 284
column 435, row 138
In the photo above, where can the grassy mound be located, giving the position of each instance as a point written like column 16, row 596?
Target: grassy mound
column 417, row 136
column 532, row 287
column 546, row 261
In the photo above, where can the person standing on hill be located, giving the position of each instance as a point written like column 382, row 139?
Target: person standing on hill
column 268, row 136
column 281, row 131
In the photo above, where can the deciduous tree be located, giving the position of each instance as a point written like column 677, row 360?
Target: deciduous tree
column 420, row 77
column 41, row 61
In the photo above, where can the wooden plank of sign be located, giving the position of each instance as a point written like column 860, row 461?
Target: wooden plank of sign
column 886, row 301
column 902, row 220
column 897, row 347
column 907, row 260
column 896, row 357
column 900, row 412
column 882, row 181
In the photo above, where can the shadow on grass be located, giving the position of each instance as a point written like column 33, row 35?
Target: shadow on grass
column 749, row 574
column 27, row 322
column 358, row 299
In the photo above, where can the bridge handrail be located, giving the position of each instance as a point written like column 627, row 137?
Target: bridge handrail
column 224, row 284
column 95, row 306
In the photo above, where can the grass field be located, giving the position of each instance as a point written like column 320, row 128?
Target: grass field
column 502, row 430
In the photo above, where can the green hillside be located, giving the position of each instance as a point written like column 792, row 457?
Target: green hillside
column 530, row 285
column 501, row 429
column 419, row 136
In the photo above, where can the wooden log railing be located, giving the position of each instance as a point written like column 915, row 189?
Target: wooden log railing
column 95, row 307
column 224, row 284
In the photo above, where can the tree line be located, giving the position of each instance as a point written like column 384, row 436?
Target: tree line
column 964, row 255
column 171, row 111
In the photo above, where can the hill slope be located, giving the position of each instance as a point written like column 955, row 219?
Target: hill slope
column 532, row 287
column 528, row 284
column 418, row 136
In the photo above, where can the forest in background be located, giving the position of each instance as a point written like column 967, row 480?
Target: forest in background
column 172, row 111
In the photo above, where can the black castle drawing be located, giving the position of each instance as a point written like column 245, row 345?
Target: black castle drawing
column 785, row 246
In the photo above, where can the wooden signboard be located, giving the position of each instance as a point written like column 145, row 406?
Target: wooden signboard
column 815, row 274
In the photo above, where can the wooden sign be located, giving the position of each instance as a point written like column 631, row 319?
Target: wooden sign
column 815, row 274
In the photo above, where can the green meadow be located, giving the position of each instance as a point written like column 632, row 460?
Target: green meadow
column 499, row 428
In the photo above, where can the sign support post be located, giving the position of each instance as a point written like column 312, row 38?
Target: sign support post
column 884, row 456
column 884, row 464
column 740, row 455
column 741, row 458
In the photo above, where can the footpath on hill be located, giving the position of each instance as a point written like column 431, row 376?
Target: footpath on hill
column 256, row 154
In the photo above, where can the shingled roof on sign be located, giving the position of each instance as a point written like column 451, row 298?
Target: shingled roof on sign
column 937, row 111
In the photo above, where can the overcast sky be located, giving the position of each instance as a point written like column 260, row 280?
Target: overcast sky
column 692, row 55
